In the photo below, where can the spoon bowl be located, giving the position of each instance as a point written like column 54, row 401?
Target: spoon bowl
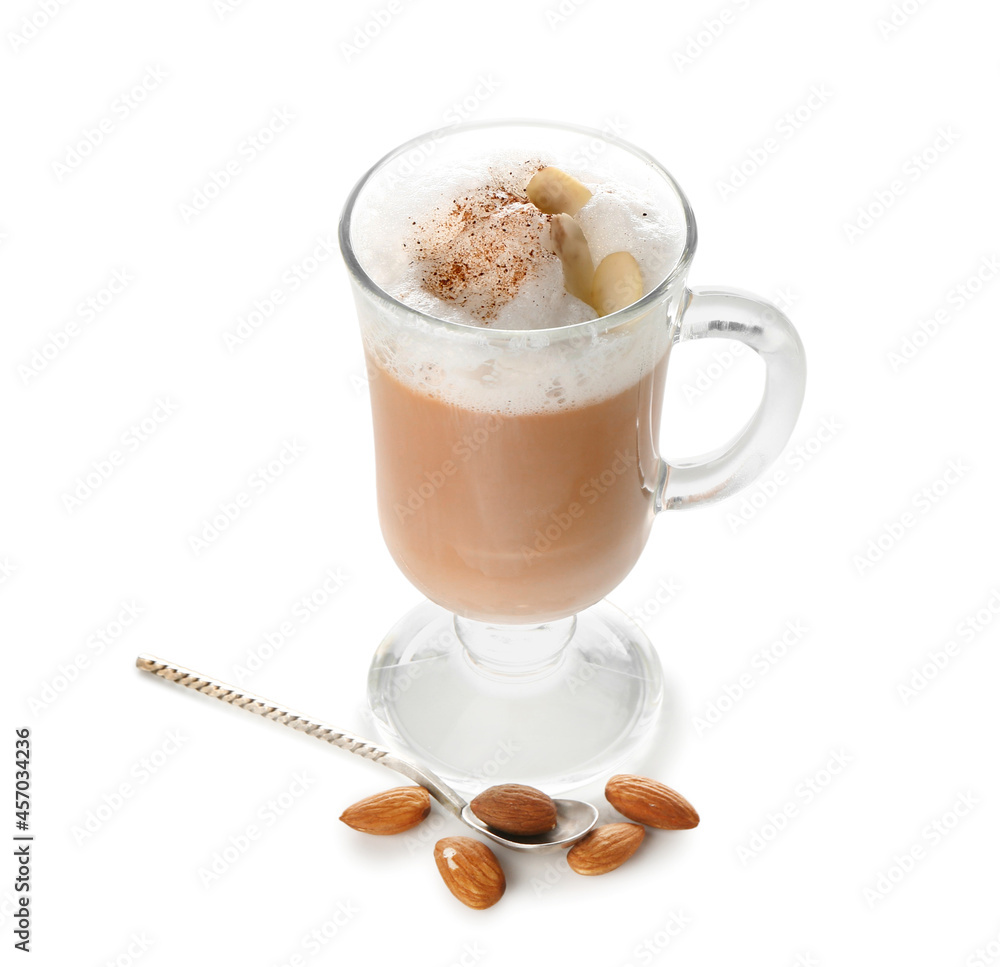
column 574, row 819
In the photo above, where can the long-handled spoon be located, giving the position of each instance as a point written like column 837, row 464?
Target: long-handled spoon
column 574, row 819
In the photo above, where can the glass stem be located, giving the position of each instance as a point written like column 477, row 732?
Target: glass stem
column 515, row 652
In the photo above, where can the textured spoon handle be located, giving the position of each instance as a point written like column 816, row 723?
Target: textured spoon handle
column 320, row 730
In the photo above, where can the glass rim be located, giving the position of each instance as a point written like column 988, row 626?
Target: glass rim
column 604, row 323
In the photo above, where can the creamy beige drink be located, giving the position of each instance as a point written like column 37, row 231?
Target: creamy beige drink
column 519, row 487
column 535, row 514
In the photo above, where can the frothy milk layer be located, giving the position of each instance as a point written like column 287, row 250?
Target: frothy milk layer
column 461, row 242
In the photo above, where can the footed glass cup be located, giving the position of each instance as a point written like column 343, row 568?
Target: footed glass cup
column 518, row 474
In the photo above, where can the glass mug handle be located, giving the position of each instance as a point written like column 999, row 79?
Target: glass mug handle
column 731, row 314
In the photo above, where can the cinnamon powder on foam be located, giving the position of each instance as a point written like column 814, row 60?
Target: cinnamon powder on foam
column 479, row 253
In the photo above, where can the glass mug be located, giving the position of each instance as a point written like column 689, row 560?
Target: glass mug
column 518, row 475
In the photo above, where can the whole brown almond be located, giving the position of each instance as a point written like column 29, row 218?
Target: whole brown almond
column 515, row 809
column 393, row 811
column 470, row 870
column 605, row 848
column 650, row 802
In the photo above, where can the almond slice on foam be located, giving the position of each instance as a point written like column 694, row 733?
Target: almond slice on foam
column 554, row 192
column 570, row 244
column 617, row 283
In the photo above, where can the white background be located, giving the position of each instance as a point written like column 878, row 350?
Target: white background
column 131, row 889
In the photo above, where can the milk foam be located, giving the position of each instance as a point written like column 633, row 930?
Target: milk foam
column 535, row 374
column 618, row 217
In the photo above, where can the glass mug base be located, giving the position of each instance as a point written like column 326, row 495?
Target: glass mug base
column 555, row 705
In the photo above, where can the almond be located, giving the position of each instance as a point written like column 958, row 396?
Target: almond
column 650, row 802
column 617, row 283
column 515, row 809
column 567, row 240
column 393, row 811
column 553, row 191
column 470, row 870
column 605, row 848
